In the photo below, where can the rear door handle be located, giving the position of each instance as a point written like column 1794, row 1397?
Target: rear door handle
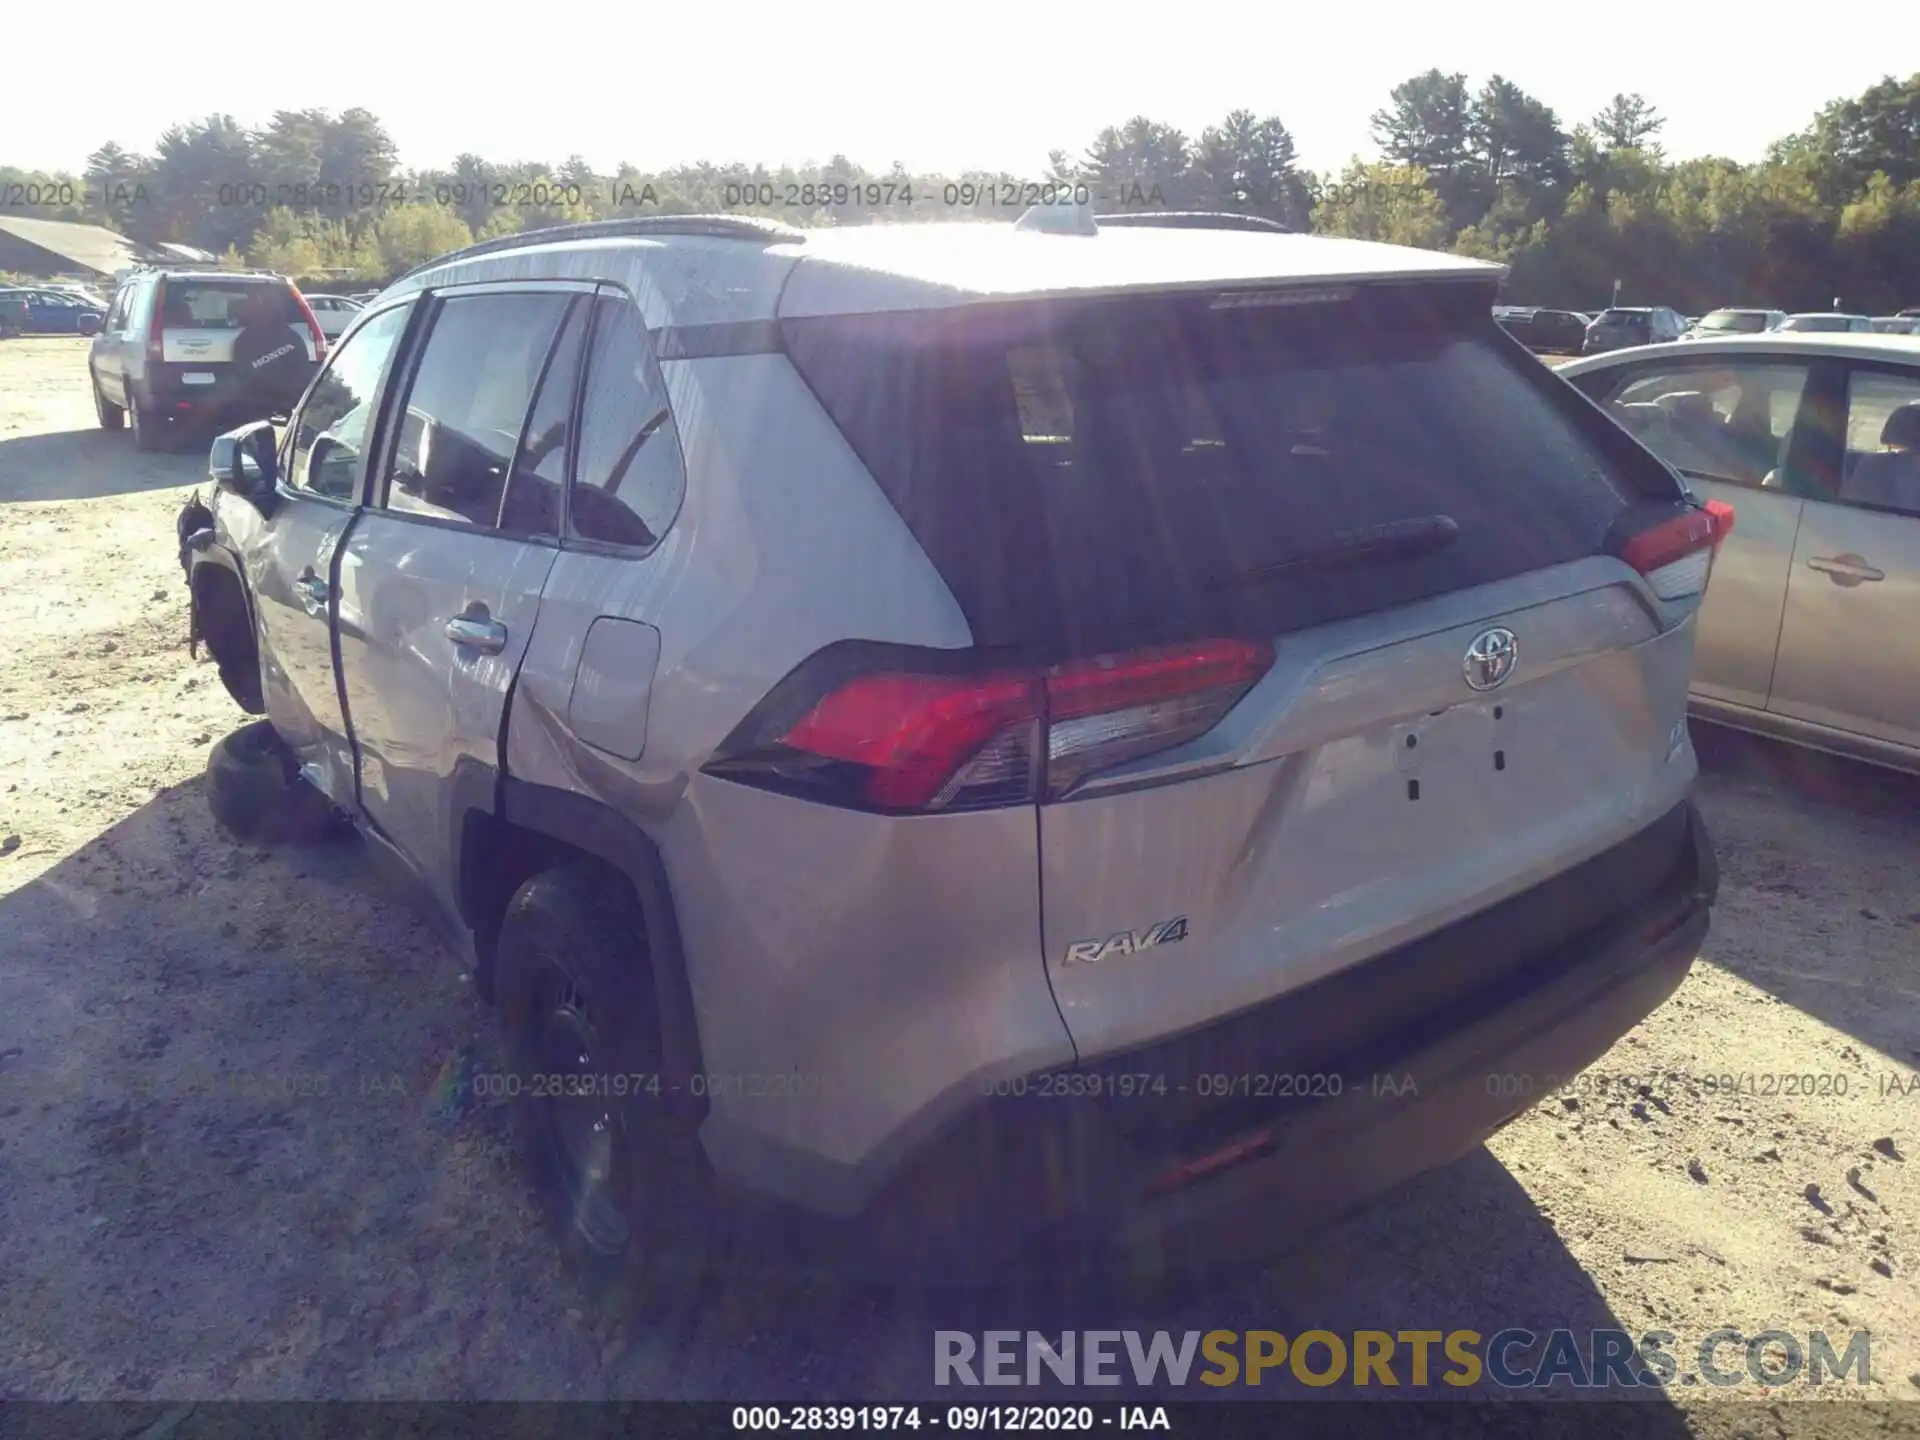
column 1845, row 569
column 489, row 637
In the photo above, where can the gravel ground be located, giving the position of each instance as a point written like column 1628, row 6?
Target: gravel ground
column 235, row 1161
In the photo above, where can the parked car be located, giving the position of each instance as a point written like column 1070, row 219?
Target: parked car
column 1632, row 325
column 1561, row 332
column 52, row 312
column 334, row 312
column 1894, row 325
column 82, row 292
column 1735, row 322
column 1807, row 632
column 955, row 677
column 1539, row 329
column 183, row 347
column 1826, row 322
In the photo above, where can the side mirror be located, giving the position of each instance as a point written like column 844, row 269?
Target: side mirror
column 245, row 460
column 89, row 324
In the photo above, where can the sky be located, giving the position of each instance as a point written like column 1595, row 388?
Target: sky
column 986, row 84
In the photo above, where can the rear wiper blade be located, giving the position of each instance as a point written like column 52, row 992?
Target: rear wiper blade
column 1408, row 539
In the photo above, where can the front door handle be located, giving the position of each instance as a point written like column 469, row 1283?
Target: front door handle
column 1846, row 570
column 489, row 637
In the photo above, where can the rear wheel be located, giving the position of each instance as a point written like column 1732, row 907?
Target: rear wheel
column 619, row 1173
column 110, row 416
column 149, row 431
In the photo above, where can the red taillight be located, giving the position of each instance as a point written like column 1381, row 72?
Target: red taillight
column 896, row 740
column 157, row 332
column 313, row 326
column 911, row 733
column 1676, row 555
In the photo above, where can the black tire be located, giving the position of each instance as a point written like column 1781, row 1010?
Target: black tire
column 256, row 793
column 149, row 429
column 621, row 1179
column 110, row 416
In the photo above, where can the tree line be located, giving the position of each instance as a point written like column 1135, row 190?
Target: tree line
column 1831, row 213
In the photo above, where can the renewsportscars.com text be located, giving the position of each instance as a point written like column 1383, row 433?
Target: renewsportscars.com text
column 1511, row 1359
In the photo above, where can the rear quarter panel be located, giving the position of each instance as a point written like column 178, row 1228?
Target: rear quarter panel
column 882, row 966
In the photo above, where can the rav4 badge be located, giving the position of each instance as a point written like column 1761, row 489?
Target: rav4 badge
column 1127, row 942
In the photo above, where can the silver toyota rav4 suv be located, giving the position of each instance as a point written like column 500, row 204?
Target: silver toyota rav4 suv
column 961, row 736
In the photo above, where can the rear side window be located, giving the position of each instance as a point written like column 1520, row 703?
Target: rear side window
column 225, row 305
column 466, row 404
column 629, row 479
column 1092, row 473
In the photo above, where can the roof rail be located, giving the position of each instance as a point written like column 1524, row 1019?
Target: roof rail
column 719, row 227
column 206, row 267
column 1193, row 220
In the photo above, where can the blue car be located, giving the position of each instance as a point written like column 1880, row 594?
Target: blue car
column 52, row 312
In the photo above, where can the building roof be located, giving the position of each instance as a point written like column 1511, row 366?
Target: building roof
column 86, row 247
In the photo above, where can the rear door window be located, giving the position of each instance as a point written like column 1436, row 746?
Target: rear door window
column 1726, row 422
column 532, row 506
column 1103, row 472
column 463, row 412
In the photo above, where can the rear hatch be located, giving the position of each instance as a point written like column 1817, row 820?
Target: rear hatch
column 1622, row 327
column 218, row 335
column 1308, row 621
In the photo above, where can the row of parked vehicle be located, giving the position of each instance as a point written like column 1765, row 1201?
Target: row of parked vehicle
column 1574, row 332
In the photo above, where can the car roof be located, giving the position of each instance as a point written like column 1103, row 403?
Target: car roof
column 1826, row 315
column 867, row 268
column 1834, row 344
column 246, row 277
column 704, row 278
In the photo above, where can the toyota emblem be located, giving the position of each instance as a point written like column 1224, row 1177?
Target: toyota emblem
column 1491, row 659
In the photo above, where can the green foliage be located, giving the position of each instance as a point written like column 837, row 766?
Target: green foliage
column 1484, row 170
column 1396, row 204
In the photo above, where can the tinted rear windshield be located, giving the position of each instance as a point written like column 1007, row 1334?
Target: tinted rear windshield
column 1089, row 472
column 1745, row 322
column 224, row 304
column 1625, row 317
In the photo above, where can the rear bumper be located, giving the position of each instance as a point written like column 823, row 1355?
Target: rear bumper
column 169, row 394
column 1089, row 1157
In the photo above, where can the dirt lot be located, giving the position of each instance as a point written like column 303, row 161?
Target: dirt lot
column 175, row 1224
